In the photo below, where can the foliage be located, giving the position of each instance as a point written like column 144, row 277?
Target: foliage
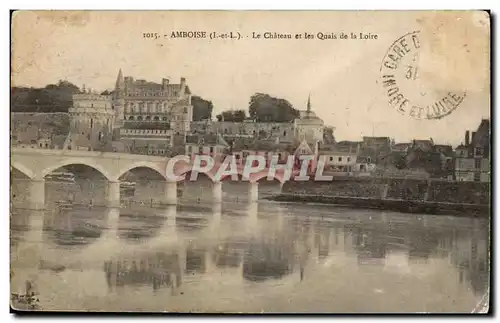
column 52, row 98
column 202, row 109
column 265, row 108
column 232, row 116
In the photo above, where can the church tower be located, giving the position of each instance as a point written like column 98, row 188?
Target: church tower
column 119, row 100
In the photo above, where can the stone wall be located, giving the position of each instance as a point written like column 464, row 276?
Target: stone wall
column 370, row 188
column 396, row 189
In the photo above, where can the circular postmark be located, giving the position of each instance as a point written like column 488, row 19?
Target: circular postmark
column 404, row 83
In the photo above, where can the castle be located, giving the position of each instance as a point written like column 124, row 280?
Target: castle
column 150, row 118
column 135, row 113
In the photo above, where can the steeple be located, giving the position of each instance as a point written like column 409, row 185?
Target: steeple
column 120, row 82
column 309, row 104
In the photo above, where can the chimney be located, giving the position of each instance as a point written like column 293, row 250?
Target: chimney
column 472, row 137
column 183, row 85
column 467, row 137
column 164, row 83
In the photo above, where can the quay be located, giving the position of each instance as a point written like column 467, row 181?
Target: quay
column 405, row 206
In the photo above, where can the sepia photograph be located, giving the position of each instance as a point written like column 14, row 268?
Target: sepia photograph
column 244, row 162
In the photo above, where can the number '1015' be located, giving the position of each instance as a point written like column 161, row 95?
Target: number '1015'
column 151, row 35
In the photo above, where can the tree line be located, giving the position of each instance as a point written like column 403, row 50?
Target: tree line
column 58, row 98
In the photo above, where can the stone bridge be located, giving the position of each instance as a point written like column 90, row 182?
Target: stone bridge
column 37, row 163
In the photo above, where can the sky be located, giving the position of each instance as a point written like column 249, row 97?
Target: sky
column 342, row 76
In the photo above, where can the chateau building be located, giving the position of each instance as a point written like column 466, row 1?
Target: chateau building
column 143, row 101
column 143, row 115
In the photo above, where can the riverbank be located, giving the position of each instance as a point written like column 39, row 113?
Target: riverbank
column 404, row 206
column 395, row 194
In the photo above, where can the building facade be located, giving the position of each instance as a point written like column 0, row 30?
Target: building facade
column 472, row 161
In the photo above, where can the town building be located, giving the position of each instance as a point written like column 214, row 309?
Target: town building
column 472, row 161
column 212, row 145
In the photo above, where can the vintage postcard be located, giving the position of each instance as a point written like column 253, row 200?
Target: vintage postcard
column 250, row 161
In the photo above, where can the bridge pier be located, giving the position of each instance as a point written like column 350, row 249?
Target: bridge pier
column 37, row 194
column 252, row 217
column 170, row 192
column 217, row 192
column 113, row 194
column 214, row 223
column 112, row 221
column 253, row 192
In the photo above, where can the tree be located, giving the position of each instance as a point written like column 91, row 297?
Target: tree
column 51, row 98
column 265, row 108
column 202, row 109
column 232, row 116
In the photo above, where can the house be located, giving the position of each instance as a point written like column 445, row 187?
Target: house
column 424, row 145
column 348, row 146
column 401, row 147
column 337, row 161
column 377, row 143
column 364, row 166
column 241, row 148
column 206, row 144
column 472, row 161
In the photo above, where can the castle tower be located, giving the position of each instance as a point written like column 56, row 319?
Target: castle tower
column 119, row 100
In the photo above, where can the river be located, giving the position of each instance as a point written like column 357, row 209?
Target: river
column 242, row 257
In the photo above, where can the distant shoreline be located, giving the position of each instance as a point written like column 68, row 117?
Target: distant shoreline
column 405, row 206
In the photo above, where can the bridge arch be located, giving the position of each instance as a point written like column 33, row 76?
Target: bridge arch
column 260, row 176
column 76, row 161
column 187, row 173
column 23, row 169
column 142, row 164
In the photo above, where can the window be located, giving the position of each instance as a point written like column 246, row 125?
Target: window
column 340, row 159
column 131, row 118
column 477, row 163
column 478, row 151
column 156, row 118
column 41, row 146
column 164, row 119
column 148, row 118
column 188, row 149
column 284, row 133
column 225, row 130
column 91, row 123
column 185, row 110
column 369, row 160
column 211, row 150
column 331, row 158
column 348, row 159
column 238, row 157
column 139, row 118
column 46, row 145
column 477, row 176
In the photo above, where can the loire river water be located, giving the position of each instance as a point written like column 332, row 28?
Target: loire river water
column 241, row 257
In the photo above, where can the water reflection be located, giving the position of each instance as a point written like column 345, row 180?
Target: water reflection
column 230, row 257
column 158, row 271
